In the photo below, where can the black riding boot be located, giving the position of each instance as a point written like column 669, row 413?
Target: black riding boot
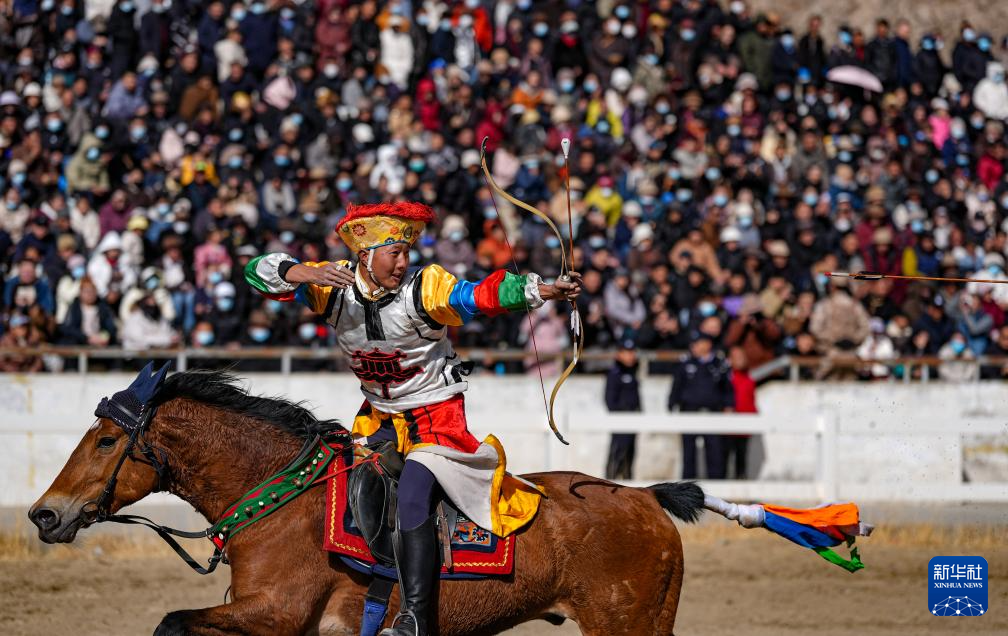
column 417, row 557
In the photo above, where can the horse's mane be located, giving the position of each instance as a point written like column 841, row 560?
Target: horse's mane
column 227, row 391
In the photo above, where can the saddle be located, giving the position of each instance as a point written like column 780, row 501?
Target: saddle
column 372, row 496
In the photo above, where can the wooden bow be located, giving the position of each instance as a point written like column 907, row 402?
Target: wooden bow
column 564, row 275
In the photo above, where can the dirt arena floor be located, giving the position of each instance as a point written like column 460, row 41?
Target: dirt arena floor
column 737, row 582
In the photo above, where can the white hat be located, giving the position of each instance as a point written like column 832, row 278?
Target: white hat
column 746, row 81
column 470, row 157
column 731, row 234
column 632, row 209
column 743, row 208
column 620, row 79
column 9, row 98
column 280, row 93
column 452, row 223
column 224, row 289
column 362, row 133
column 32, row 89
column 939, row 103
column 641, row 233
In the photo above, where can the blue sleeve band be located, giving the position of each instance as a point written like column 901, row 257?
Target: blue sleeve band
column 463, row 301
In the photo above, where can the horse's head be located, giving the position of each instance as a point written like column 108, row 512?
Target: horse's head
column 107, row 470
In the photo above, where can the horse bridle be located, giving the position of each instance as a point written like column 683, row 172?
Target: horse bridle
column 99, row 510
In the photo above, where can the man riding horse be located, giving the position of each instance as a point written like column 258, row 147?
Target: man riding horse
column 392, row 325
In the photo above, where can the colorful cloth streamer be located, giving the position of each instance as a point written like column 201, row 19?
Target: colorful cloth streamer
column 819, row 529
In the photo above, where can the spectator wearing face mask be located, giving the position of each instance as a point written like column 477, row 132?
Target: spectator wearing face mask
column 143, row 324
column 452, row 251
column 108, row 266
column 958, row 360
column 20, row 333
column 991, row 93
column 89, row 320
column 26, row 290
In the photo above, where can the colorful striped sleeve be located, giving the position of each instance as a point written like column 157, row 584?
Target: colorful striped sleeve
column 449, row 301
column 266, row 274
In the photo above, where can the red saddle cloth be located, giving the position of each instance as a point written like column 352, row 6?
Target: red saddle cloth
column 475, row 550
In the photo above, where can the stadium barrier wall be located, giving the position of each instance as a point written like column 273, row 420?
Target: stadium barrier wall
column 811, row 442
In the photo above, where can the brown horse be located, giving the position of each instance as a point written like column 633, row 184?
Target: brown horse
column 605, row 556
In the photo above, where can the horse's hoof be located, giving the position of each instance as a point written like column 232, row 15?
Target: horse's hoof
column 173, row 624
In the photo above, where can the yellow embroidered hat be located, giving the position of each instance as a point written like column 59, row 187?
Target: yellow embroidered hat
column 366, row 227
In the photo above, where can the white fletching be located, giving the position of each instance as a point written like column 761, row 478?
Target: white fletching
column 565, row 146
column 575, row 323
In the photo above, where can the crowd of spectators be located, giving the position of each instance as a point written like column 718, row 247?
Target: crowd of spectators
column 150, row 148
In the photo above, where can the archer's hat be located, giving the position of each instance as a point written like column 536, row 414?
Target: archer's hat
column 366, row 227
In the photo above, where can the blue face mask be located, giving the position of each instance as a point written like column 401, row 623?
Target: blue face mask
column 734, row 130
column 590, row 86
column 969, row 35
column 958, row 346
column 445, row 25
column 215, row 277
column 54, row 125
column 282, row 160
column 916, row 226
column 18, row 179
column 101, row 132
column 603, row 127
column 787, row 41
column 126, row 6
column 259, row 334
column 152, row 283
column 489, row 213
column 712, row 174
column 235, row 162
column 275, row 306
column 456, row 235
column 745, row 221
column 540, row 29
column 225, row 303
column 92, row 154
column 162, row 208
column 931, row 176
column 1004, row 202
column 822, row 279
column 11, row 205
column 810, row 199
column 651, row 59
column 235, row 134
column 720, row 200
column 258, row 8
column 684, row 195
column 927, row 44
column 414, row 257
column 707, row 309
column 286, row 237
column 783, row 96
column 137, row 133
column 844, row 156
column 344, row 184
column 310, row 217
column 597, row 242
column 674, row 174
column 287, row 13
column 238, row 14
column 78, row 272
column 622, row 12
column 567, row 85
column 688, row 35
column 66, row 10
column 552, row 242
column 297, row 119
column 846, row 37
column 307, row 331
column 417, row 165
column 204, row 338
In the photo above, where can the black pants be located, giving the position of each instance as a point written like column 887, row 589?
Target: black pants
column 714, row 456
column 735, row 448
column 622, row 447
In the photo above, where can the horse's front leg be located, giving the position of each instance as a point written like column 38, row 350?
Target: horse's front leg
column 262, row 614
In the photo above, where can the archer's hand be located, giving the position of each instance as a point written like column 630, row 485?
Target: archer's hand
column 328, row 275
column 562, row 289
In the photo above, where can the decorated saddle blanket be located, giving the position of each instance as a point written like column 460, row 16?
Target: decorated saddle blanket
column 475, row 551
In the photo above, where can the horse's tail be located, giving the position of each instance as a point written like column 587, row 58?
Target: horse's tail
column 683, row 499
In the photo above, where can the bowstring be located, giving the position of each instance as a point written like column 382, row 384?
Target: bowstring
column 528, row 309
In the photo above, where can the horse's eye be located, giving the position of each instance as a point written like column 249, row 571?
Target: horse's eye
column 106, row 442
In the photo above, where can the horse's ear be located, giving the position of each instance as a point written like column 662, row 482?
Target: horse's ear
column 148, row 382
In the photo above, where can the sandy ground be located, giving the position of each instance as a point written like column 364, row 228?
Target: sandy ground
column 736, row 582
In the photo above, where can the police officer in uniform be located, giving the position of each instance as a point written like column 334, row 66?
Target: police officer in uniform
column 622, row 394
column 702, row 383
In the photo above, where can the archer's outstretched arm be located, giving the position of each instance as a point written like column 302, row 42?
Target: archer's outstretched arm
column 282, row 277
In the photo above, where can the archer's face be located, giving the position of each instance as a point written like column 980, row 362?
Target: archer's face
column 389, row 264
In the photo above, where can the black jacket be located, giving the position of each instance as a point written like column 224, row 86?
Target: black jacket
column 702, row 385
column 622, row 389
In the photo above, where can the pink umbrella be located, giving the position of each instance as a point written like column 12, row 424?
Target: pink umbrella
column 854, row 76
